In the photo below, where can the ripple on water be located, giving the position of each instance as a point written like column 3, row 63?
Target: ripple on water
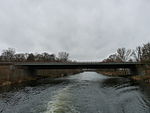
column 81, row 93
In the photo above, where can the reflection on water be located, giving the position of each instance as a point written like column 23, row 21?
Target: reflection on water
column 87, row 92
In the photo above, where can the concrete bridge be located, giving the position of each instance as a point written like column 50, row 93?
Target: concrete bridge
column 135, row 68
column 18, row 72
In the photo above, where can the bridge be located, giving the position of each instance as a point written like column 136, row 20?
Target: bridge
column 30, row 67
column 135, row 68
column 17, row 72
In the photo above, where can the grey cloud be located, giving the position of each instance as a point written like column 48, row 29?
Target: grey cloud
column 87, row 29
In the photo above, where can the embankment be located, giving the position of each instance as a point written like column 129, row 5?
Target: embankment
column 113, row 73
column 11, row 75
column 124, row 73
column 144, row 79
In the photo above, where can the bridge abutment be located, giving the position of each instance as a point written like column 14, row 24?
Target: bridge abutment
column 10, row 74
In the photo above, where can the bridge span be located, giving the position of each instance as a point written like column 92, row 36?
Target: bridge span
column 135, row 68
column 17, row 72
column 77, row 65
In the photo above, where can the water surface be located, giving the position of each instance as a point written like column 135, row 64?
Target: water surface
column 87, row 92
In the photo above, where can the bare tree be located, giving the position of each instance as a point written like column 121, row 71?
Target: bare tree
column 45, row 57
column 124, row 54
column 146, row 52
column 48, row 57
column 31, row 57
column 52, row 57
column 138, row 53
column 8, row 54
column 20, row 57
column 38, row 57
column 63, row 56
column 112, row 58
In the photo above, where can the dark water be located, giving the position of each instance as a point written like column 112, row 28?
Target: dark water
column 87, row 92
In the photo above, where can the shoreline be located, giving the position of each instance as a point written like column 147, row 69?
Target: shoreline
column 7, row 81
column 142, row 79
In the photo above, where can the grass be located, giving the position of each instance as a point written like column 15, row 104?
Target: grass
column 143, row 78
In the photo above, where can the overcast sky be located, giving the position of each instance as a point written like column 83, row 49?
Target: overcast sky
column 87, row 29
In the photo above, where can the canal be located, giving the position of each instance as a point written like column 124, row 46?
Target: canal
column 86, row 92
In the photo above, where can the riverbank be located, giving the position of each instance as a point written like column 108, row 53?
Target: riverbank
column 113, row 73
column 10, row 79
column 139, row 78
column 144, row 78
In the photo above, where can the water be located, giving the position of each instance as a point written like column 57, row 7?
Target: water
column 87, row 92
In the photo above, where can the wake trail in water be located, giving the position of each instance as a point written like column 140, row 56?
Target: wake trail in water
column 61, row 102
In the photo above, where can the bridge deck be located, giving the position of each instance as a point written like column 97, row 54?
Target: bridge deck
column 77, row 65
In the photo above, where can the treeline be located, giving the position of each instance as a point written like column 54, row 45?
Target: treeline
column 140, row 54
column 10, row 55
